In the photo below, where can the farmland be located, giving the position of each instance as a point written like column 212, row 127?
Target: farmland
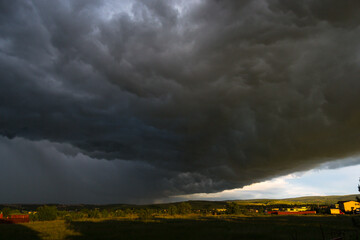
column 189, row 227
column 243, row 219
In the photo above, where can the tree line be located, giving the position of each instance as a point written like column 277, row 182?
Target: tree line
column 48, row 213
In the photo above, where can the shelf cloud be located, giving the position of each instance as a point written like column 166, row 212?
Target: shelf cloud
column 189, row 96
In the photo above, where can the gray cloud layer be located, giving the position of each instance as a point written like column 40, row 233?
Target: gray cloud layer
column 39, row 172
column 203, row 96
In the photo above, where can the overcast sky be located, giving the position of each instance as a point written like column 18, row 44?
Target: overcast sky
column 141, row 100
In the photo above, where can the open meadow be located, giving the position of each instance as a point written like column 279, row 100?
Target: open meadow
column 190, row 227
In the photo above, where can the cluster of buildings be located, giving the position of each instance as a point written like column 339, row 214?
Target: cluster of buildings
column 291, row 211
column 19, row 218
column 343, row 207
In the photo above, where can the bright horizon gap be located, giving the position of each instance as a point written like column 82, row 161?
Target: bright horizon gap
column 314, row 182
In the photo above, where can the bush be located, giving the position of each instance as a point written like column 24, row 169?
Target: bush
column 94, row 213
column 62, row 214
column 184, row 208
column 6, row 211
column 85, row 212
column 47, row 213
column 119, row 213
column 78, row 215
column 68, row 219
column 233, row 208
column 105, row 213
column 145, row 214
column 33, row 217
column 172, row 210
column 128, row 211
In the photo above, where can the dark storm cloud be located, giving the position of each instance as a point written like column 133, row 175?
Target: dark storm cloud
column 39, row 172
column 212, row 94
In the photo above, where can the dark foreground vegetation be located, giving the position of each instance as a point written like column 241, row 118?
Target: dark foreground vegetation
column 190, row 227
column 186, row 220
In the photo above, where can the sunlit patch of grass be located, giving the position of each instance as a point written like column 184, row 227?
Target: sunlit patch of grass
column 51, row 230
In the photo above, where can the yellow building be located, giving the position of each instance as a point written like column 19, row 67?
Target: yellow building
column 335, row 211
column 297, row 209
column 221, row 209
column 349, row 206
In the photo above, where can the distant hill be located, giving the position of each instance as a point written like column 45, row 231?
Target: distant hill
column 322, row 200
column 198, row 204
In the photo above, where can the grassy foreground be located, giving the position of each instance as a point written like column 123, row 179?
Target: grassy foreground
column 190, row 227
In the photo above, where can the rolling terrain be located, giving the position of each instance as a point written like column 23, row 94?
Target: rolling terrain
column 322, row 200
column 198, row 204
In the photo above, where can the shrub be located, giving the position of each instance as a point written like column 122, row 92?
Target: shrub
column 62, row 214
column 145, row 214
column 78, row 215
column 47, row 213
column 85, row 212
column 94, row 213
column 33, row 217
column 9, row 211
column 172, row 210
column 68, row 219
column 119, row 213
column 128, row 211
column 184, row 208
column 233, row 208
column 105, row 213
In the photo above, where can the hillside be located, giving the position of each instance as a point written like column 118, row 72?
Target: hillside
column 322, row 200
column 196, row 205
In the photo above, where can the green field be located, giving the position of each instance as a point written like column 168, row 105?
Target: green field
column 190, row 227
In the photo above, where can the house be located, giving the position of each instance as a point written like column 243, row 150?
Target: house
column 297, row 209
column 221, row 209
column 335, row 211
column 348, row 206
column 19, row 218
column 291, row 213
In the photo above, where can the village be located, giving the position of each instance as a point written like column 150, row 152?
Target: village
column 342, row 207
column 334, row 206
column 23, row 216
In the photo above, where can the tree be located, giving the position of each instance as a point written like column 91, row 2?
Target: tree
column 47, row 213
column 233, row 208
column 184, row 208
column 6, row 212
column 33, row 217
column 119, row 213
column 104, row 213
column 94, row 213
column 85, row 212
column 172, row 210
column 145, row 214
